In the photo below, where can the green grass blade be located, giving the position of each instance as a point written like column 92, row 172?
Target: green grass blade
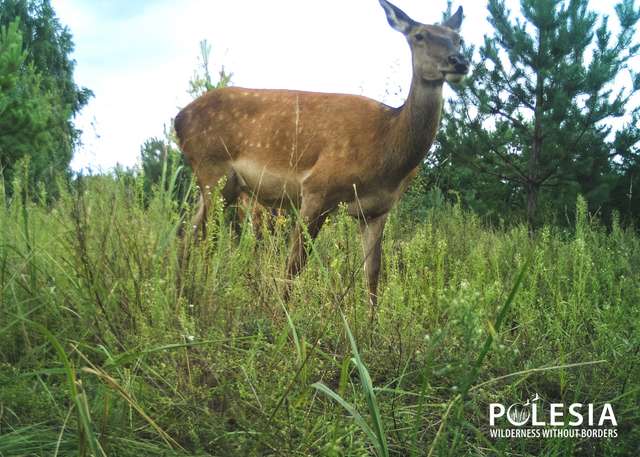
column 79, row 398
column 352, row 411
column 473, row 376
column 369, row 393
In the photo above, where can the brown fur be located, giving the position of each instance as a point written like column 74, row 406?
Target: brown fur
column 313, row 151
column 259, row 216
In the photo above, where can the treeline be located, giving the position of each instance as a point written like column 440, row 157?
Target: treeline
column 38, row 95
column 549, row 112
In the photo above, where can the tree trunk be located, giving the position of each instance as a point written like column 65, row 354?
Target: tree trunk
column 532, row 204
column 533, row 181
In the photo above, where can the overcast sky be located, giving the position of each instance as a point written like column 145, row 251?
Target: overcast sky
column 138, row 56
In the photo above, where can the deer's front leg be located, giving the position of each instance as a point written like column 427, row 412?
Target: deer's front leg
column 371, row 230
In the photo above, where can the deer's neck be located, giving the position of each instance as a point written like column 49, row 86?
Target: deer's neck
column 417, row 124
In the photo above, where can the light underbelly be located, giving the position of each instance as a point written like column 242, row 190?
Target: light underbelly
column 269, row 187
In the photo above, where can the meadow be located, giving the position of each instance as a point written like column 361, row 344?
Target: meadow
column 115, row 342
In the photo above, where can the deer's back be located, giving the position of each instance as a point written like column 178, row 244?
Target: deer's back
column 282, row 128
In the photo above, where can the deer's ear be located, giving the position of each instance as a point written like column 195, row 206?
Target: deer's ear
column 397, row 18
column 455, row 21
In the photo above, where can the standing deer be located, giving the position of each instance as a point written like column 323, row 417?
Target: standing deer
column 313, row 151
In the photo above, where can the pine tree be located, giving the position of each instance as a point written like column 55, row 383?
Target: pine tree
column 40, row 100
column 49, row 45
column 26, row 112
column 533, row 116
column 202, row 81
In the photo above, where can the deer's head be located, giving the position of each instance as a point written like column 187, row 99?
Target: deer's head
column 435, row 48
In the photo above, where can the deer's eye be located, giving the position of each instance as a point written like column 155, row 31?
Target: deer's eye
column 419, row 36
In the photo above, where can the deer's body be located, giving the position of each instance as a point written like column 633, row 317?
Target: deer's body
column 314, row 151
column 302, row 143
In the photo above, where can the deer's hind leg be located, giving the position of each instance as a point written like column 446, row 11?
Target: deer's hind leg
column 207, row 180
column 311, row 218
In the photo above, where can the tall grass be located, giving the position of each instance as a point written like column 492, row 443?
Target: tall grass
column 375, row 429
column 113, row 341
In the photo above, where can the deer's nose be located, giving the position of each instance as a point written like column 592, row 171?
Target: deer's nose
column 459, row 62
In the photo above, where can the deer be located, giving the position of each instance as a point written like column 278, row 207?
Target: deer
column 311, row 151
column 256, row 215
